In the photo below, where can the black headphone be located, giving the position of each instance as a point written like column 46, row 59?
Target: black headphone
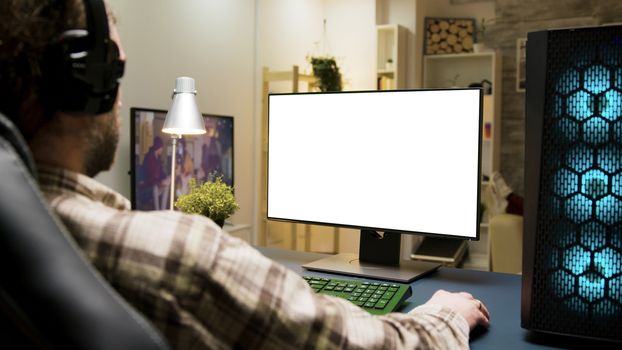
column 81, row 70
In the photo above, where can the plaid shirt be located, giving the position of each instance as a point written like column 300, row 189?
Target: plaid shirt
column 206, row 289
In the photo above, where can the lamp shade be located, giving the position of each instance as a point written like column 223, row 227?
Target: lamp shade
column 183, row 118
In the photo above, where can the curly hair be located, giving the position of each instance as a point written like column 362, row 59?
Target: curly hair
column 27, row 29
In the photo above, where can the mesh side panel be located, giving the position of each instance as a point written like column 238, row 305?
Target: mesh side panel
column 578, row 259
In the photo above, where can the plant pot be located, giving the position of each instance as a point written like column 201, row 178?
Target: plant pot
column 220, row 223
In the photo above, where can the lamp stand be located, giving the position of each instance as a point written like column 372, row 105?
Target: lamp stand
column 174, row 138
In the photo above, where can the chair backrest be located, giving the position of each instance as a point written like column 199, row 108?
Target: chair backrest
column 50, row 296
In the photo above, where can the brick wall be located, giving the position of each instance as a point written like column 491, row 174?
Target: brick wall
column 513, row 20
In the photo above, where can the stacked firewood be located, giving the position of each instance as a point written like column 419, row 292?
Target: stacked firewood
column 449, row 35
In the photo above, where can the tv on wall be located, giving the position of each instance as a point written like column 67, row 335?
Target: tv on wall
column 200, row 157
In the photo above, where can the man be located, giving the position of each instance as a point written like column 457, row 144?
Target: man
column 201, row 287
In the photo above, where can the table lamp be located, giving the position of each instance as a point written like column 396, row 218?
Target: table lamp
column 183, row 118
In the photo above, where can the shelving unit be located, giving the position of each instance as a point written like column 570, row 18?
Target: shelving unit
column 302, row 237
column 460, row 70
column 390, row 57
column 275, row 233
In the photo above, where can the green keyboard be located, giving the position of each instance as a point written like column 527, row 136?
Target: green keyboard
column 377, row 298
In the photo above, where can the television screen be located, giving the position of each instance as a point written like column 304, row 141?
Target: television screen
column 200, row 157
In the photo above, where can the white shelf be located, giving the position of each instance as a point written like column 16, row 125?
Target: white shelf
column 386, row 71
column 390, row 46
column 448, row 70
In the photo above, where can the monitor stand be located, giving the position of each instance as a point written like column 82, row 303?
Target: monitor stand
column 379, row 258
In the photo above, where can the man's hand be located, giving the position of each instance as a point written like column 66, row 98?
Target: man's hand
column 473, row 310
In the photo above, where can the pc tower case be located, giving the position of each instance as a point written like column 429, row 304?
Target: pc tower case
column 572, row 257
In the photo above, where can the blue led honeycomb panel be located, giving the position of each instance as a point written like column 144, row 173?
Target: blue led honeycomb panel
column 577, row 276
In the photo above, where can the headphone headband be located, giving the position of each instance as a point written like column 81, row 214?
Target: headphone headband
column 82, row 70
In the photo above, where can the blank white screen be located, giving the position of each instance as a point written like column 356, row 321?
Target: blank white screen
column 399, row 160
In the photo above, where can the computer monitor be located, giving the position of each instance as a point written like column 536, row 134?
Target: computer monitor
column 385, row 162
column 200, row 157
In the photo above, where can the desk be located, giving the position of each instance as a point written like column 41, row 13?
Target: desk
column 500, row 292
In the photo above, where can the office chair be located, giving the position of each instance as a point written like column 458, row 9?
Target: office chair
column 50, row 296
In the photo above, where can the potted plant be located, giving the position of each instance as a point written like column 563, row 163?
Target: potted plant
column 213, row 199
column 327, row 71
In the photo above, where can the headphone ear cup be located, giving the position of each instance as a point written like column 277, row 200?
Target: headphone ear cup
column 72, row 83
column 79, row 78
column 81, row 71
column 64, row 72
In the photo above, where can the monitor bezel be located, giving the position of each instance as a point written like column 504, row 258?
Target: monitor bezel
column 379, row 229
